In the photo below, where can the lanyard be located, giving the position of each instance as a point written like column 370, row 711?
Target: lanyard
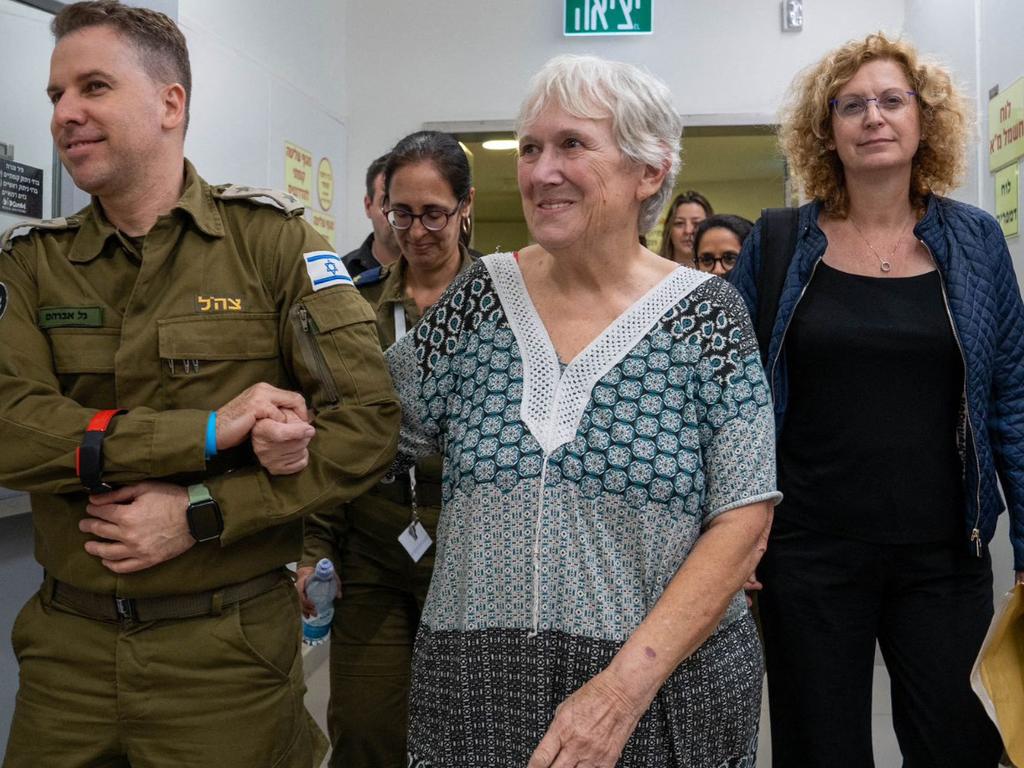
column 400, row 331
column 400, row 328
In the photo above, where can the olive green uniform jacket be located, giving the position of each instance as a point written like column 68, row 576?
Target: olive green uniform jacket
column 215, row 298
column 383, row 287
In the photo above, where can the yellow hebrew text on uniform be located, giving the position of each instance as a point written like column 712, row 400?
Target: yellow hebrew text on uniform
column 218, row 304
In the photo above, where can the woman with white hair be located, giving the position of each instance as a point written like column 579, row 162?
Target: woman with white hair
column 608, row 466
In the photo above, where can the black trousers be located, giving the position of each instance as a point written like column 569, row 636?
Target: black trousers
column 825, row 602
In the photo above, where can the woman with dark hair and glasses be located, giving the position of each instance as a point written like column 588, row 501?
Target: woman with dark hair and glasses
column 897, row 368
column 428, row 199
column 718, row 241
column 688, row 209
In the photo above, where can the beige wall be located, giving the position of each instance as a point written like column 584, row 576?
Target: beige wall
column 491, row 236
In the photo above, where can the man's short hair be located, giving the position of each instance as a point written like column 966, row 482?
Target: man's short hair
column 159, row 43
column 376, row 169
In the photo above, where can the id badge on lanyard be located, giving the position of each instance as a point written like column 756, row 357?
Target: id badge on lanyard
column 414, row 538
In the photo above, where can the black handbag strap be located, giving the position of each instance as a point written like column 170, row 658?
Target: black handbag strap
column 779, row 229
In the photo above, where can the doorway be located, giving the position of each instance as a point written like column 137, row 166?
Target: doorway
column 738, row 168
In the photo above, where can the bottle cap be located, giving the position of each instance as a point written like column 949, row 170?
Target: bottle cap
column 324, row 569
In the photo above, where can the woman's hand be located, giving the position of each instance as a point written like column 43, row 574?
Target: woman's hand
column 752, row 583
column 750, row 587
column 590, row 728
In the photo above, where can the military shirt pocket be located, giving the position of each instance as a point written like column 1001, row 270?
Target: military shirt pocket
column 206, row 361
column 337, row 337
column 83, row 360
column 78, row 351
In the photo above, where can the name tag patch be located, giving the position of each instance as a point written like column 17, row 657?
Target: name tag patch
column 70, row 317
column 325, row 269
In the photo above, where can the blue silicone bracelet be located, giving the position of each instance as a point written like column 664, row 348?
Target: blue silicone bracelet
column 211, row 435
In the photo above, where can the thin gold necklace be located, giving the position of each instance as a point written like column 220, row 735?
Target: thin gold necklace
column 885, row 265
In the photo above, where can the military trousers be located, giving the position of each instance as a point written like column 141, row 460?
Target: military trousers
column 372, row 635
column 220, row 691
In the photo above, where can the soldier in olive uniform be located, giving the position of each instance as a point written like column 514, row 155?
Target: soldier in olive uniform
column 428, row 200
column 152, row 348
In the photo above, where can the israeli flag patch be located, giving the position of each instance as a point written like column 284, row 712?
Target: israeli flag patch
column 325, row 269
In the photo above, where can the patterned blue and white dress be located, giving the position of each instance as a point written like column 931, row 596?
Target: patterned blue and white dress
column 572, row 494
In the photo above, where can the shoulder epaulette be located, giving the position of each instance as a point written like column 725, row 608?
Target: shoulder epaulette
column 369, row 277
column 290, row 204
column 64, row 222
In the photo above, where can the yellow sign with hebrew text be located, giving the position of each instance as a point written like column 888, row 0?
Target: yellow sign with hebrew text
column 298, row 172
column 1008, row 199
column 1006, row 126
column 324, row 224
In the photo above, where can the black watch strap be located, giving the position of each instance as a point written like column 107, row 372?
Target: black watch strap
column 89, row 455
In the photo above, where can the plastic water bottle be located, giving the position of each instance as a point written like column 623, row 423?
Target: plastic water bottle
column 320, row 589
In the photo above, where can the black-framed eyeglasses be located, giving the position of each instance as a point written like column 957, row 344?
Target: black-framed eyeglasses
column 894, row 100
column 707, row 262
column 433, row 220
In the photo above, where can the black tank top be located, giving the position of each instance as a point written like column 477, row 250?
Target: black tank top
column 868, row 448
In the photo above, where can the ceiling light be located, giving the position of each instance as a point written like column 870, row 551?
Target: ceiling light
column 498, row 144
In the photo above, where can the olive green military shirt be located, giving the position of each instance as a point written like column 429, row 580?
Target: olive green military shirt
column 384, row 288
column 215, row 298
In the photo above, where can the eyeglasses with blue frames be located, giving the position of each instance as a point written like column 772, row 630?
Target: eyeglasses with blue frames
column 892, row 101
column 433, row 220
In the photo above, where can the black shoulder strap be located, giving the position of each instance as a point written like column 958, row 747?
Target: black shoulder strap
column 779, row 228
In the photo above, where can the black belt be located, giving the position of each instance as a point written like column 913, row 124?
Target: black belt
column 210, row 602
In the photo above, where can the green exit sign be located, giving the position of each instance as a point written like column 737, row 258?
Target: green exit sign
column 608, row 17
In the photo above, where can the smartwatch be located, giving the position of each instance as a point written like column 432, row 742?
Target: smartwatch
column 205, row 521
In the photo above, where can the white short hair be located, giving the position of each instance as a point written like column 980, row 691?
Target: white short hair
column 645, row 124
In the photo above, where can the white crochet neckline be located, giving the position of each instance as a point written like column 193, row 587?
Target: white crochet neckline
column 554, row 400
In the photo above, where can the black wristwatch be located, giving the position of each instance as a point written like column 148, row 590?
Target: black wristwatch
column 205, row 521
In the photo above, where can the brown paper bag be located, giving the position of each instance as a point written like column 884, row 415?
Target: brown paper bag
column 998, row 674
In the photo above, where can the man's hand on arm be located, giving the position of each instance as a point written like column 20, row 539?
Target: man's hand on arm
column 138, row 526
column 282, row 447
column 236, row 418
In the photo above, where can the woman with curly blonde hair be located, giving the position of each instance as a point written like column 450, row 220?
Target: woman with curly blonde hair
column 896, row 362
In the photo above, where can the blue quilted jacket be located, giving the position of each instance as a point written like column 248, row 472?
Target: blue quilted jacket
column 984, row 303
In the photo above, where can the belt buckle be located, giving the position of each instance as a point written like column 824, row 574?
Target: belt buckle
column 125, row 608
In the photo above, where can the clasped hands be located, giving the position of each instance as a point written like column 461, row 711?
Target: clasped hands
column 139, row 526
